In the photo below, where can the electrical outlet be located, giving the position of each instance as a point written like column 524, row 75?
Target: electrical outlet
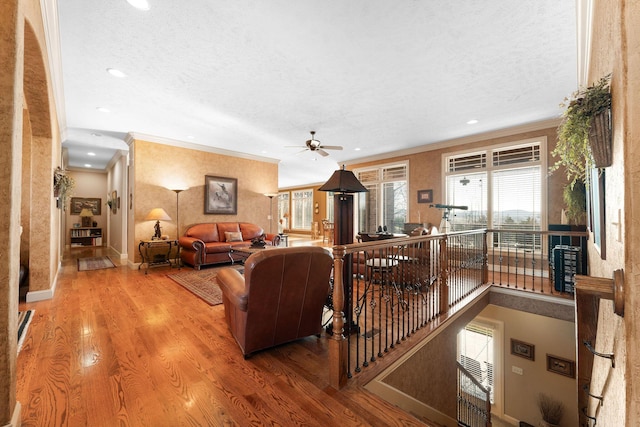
column 516, row 370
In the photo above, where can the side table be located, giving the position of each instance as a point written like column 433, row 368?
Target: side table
column 158, row 252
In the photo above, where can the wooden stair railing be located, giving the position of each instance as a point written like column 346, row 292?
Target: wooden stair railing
column 589, row 292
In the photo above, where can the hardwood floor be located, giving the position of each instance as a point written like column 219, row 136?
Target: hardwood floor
column 118, row 347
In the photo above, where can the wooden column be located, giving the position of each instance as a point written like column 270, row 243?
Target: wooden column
column 337, row 343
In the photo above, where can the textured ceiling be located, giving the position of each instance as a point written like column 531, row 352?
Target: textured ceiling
column 256, row 76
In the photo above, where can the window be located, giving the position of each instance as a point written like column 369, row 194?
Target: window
column 283, row 212
column 502, row 187
column 476, row 354
column 301, row 209
column 386, row 203
column 329, row 215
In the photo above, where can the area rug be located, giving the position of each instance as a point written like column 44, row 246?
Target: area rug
column 95, row 263
column 24, row 318
column 202, row 283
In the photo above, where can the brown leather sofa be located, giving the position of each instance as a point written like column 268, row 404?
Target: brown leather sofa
column 280, row 297
column 212, row 243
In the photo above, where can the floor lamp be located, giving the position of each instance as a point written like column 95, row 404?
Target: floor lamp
column 178, row 191
column 344, row 183
column 270, row 196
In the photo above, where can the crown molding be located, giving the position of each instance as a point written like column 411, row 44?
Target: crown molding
column 584, row 29
column 51, row 29
column 132, row 136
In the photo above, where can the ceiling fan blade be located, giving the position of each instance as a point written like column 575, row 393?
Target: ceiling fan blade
column 301, row 151
column 322, row 152
column 331, row 147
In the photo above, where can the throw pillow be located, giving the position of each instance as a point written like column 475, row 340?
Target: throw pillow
column 233, row 236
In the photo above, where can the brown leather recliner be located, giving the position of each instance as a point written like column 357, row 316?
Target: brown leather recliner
column 280, row 297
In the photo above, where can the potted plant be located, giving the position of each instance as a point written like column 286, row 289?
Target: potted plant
column 584, row 141
column 62, row 185
column 579, row 142
column 551, row 410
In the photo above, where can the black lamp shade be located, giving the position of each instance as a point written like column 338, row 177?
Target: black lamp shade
column 343, row 181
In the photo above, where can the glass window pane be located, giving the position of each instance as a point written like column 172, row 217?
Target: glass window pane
column 471, row 191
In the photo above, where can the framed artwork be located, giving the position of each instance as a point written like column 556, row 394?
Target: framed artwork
column 220, row 195
column 561, row 366
column 114, row 204
column 79, row 203
column 523, row 349
column 597, row 211
column 425, row 196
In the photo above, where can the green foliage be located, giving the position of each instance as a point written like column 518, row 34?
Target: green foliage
column 575, row 199
column 572, row 150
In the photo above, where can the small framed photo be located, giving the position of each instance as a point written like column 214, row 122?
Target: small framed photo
column 425, row 196
column 220, row 195
column 523, row 349
column 561, row 366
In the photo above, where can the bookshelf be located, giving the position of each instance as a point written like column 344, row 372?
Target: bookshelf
column 85, row 236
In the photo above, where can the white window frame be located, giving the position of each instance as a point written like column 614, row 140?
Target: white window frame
column 490, row 169
column 309, row 214
column 379, row 182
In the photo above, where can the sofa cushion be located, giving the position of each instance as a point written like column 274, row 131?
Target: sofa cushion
column 233, row 236
column 250, row 231
column 207, row 232
column 216, row 247
column 223, row 227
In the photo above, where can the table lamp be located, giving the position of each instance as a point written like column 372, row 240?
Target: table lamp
column 86, row 215
column 157, row 215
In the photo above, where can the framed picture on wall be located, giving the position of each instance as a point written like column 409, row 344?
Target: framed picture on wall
column 523, row 349
column 220, row 195
column 425, row 196
column 79, row 203
column 561, row 366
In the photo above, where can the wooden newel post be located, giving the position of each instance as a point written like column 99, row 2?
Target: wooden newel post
column 444, row 274
column 337, row 342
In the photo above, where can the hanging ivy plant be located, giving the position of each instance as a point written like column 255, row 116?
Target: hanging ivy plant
column 573, row 149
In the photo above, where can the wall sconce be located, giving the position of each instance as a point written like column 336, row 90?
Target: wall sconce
column 317, row 208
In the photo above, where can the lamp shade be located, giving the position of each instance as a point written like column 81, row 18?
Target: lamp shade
column 157, row 214
column 85, row 212
column 343, row 181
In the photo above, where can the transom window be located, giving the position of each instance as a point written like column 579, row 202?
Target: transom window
column 502, row 186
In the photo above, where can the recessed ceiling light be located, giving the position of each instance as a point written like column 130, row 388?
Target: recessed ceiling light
column 91, row 153
column 116, row 73
column 103, row 109
column 472, row 122
column 190, row 137
column 87, row 165
column 95, row 134
column 139, row 4
column 357, row 149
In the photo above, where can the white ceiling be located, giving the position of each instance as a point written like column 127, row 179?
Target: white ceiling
column 256, row 76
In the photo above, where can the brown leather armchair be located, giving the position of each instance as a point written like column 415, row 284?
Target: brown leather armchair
column 280, row 297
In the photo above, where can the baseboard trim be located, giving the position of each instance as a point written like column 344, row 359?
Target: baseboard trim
column 33, row 296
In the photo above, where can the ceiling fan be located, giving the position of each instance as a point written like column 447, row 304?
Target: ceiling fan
column 314, row 145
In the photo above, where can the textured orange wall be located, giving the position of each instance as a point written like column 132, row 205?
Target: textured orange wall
column 158, row 168
column 425, row 172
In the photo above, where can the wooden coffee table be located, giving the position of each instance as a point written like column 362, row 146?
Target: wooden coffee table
column 246, row 251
